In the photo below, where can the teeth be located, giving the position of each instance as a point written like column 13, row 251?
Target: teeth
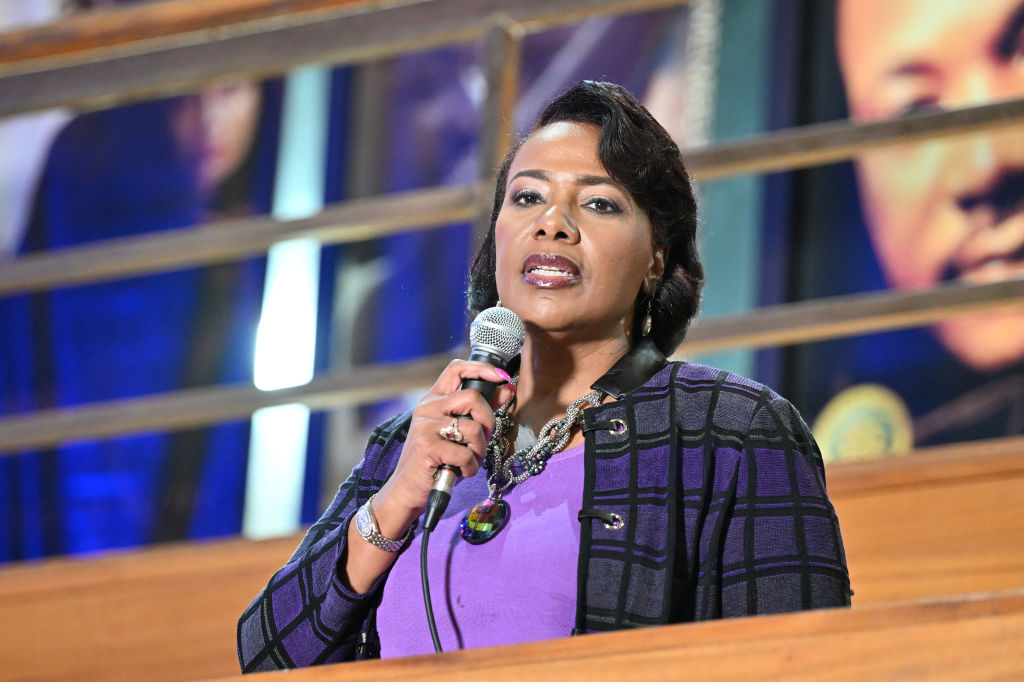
column 544, row 270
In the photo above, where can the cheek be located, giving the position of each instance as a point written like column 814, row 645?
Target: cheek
column 628, row 263
column 913, row 223
column 502, row 254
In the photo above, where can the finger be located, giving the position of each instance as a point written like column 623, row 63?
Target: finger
column 457, row 455
column 459, row 370
column 502, row 394
column 467, row 435
column 426, row 449
column 464, row 403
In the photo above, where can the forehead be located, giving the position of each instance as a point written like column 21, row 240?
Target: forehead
column 561, row 146
column 877, row 36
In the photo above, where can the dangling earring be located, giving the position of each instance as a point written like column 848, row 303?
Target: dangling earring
column 498, row 304
column 646, row 327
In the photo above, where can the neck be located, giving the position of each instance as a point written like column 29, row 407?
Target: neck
column 552, row 374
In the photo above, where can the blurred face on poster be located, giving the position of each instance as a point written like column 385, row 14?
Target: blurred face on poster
column 943, row 210
column 217, row 126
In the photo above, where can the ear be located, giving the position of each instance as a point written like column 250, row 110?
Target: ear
column 656, row 271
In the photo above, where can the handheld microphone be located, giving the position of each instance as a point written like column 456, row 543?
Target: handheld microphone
column 495, row 337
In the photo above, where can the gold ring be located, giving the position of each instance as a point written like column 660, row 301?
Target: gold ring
column 451, row 432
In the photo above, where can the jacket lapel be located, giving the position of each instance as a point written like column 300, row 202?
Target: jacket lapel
column 625, row 573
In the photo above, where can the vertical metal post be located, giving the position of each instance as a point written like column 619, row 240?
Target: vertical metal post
column 360, row 271
column 502, row 46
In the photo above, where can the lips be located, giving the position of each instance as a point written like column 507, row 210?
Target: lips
column 991, row 255
column 550, row 271
column 994, row 269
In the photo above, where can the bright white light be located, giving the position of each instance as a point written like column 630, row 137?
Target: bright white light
column 286, row 335
column 273, row 488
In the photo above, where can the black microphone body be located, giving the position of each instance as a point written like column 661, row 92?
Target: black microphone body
column 496, row 337
column 482, row 386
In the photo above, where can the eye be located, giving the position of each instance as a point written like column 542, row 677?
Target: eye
column 527, row 197
column 602, row 205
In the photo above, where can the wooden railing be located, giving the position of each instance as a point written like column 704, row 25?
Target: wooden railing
column 113, row 56
column 936, row 524
column 950, row 641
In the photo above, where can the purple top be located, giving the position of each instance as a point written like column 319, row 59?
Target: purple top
column 518, row 587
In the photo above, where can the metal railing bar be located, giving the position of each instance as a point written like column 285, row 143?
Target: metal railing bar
column 128, row 29
column 823, row 143
column 210, row 405
column 502, row 52
column 180, row 62
column 850, row 315
column 785, row 324
column 355, row 220
column 781, row 150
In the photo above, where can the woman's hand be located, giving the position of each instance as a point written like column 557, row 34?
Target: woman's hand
column 404, row 497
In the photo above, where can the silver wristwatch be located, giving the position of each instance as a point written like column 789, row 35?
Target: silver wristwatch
column 366, row 524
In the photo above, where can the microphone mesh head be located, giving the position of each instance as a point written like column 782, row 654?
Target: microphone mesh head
column 498, row 330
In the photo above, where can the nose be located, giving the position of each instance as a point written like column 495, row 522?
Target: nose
column 982, row 170
column 974, row 88
column 557, row 222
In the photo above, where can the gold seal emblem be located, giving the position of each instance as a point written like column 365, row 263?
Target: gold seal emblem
column 866, row 421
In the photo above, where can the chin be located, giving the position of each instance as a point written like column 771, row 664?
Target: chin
column 987, row 341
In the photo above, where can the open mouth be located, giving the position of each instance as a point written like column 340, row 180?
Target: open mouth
column 550, row 271
column 994, row 268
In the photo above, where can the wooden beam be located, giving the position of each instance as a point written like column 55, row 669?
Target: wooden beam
column 952, row 640
column 350, row 221
column 791, row 323
column 841, row 316
column 822, row 143
column 502, row 51
column 38, row 73
column 210, row 405
column 222, row 242
column 937, row 465
column 128, row 29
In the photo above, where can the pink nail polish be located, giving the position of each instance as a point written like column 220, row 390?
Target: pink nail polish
column 504, row 375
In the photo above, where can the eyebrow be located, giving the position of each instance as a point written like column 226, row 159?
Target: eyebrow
column 1004, row 46
column 1007, row 44
column 582, row 179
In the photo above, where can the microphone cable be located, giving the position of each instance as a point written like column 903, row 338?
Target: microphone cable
column 496, row 337
column 426, row 593
column 437, row 502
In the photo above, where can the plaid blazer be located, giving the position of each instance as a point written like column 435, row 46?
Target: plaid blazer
column 716, row 479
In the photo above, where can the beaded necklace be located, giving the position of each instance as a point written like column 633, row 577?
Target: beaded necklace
column 487, row 519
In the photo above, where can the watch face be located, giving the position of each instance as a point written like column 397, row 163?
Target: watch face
column 364, row 524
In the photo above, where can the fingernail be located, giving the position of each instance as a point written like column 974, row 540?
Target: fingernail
column 504, row 375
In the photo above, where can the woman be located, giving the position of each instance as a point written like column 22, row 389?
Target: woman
column 700, row 494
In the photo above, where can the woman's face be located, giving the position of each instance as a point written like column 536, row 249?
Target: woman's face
column 218, row 126
column 573, row 247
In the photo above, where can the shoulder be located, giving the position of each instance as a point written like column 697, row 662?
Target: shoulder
column 391, row 430
column 711, row 396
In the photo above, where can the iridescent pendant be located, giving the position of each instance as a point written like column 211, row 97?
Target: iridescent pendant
column 484, row 521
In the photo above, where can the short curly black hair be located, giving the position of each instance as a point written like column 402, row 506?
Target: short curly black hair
column 638, row 153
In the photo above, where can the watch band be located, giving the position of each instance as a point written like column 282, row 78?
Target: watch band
column 366, row 524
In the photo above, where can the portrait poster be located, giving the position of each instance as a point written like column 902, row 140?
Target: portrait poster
column 908, row 217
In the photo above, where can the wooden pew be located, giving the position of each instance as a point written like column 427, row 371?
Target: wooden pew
column 942, row 522
column 166, row 613
column 955, row 640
